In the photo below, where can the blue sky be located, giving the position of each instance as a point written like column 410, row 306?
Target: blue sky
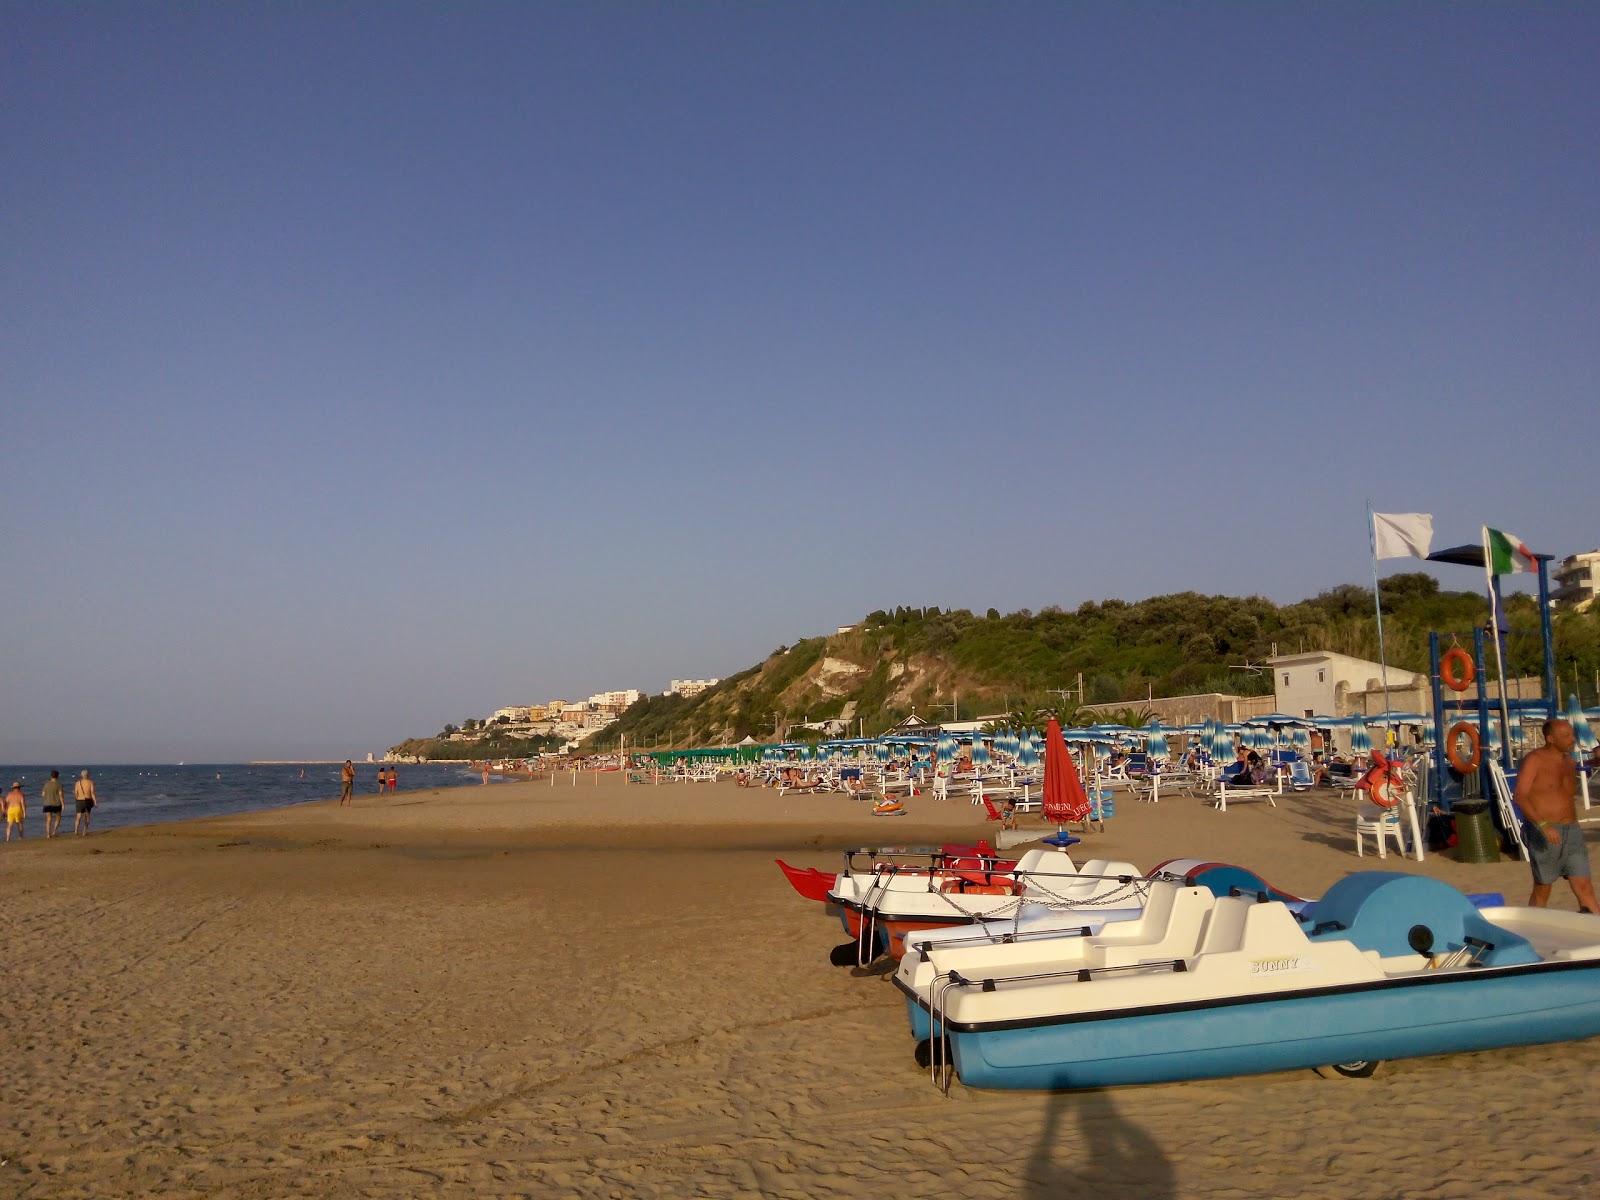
column 368, row 367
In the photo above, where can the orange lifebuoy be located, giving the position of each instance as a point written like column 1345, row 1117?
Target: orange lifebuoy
column 1457, row 669
column 1453, row 752
column 1384, row 784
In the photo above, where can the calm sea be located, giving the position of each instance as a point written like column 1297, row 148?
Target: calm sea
column 147, row 794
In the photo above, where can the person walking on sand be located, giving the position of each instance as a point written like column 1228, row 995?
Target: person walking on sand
column 485, row 774
column 394, row 778
column 348, row 784
column 83, row 800
column 16, row 809
column 383, row 779
column 50, row 801
column 1546, row 785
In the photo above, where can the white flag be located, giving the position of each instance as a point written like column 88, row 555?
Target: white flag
column 1401, row 535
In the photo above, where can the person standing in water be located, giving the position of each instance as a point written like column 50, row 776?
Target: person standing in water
column 84, row 801
column 16, row 809
column 50, row 802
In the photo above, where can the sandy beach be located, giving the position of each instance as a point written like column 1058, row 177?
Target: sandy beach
column 600, row 990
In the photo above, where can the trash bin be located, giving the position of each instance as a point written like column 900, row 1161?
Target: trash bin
column 1477, row 840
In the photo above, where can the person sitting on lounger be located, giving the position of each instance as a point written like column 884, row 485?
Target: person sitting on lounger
column 1247, row 774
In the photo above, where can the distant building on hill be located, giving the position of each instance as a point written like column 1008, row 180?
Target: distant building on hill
column 692, row 687
column 1577, row 581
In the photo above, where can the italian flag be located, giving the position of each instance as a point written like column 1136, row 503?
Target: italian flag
column 1505, row 554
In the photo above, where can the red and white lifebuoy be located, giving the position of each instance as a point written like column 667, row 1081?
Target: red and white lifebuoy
column 1457, row 669
column 1384, row 783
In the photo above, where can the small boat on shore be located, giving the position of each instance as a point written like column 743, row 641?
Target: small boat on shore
column 879, row 909
column 815, row 884
column 1203, row 986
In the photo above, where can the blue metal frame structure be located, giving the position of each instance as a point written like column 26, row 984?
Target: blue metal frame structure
column 1482, row 710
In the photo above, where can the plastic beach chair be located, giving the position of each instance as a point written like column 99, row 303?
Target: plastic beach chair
column 1381, row 824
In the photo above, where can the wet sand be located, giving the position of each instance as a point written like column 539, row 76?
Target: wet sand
column 526, row 990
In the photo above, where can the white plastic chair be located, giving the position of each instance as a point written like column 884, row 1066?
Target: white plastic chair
column 1379, row 822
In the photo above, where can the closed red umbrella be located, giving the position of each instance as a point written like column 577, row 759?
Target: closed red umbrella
column 1064, row 797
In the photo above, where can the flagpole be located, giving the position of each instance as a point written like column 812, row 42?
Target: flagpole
column 1499, row 658
column 1383, row 658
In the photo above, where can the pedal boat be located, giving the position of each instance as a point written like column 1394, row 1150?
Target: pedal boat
column 879, row 908
column 1204, row 986
column 815, row 884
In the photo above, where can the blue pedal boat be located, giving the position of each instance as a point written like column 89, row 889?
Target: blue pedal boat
column 1204, row 986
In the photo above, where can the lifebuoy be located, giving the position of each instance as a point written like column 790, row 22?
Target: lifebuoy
column 1452, row 750
column 1457, row 669
column 1385, row 785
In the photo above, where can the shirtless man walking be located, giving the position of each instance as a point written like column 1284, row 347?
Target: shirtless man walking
column 1546, row 785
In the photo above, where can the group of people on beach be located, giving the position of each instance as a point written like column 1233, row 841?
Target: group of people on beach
column 388, row 781
column 51, row 803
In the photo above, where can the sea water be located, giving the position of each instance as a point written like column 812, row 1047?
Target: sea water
column 151, row 793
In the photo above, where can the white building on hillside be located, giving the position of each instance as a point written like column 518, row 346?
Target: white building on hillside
column 693, row 687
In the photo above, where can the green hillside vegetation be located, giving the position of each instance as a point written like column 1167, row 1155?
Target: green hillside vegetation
column 926, row 660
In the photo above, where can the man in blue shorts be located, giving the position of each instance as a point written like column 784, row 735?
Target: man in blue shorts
column 1547, row 784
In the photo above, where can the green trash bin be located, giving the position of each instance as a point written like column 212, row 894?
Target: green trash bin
column 1477, row 840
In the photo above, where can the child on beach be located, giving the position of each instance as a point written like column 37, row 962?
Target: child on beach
column 16, row 809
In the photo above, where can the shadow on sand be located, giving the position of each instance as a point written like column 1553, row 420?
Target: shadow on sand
column 1111, row 1156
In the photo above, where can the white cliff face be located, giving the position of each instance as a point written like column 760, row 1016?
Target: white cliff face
column 835, row 676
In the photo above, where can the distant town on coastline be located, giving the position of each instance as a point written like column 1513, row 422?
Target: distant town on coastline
column 1167, row 656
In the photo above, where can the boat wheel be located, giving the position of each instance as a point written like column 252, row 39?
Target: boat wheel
column 924, row 1053
column 844, row 955
column 1361, row 1068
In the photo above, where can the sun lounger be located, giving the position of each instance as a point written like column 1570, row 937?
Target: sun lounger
column 1238, row 791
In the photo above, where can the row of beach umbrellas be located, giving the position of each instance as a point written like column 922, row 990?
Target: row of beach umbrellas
column 1216, row 739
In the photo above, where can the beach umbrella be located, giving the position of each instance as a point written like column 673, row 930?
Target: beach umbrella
column 980, row 751
column 1360, row 739
column 882, row 752
column 1064, row 796
column 945, row 748
column 1580, row 728
column 1027, row 759
column 1302, row 741
column 1155, row 745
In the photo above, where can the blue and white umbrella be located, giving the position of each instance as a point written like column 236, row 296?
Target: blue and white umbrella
column 1027, row 755
column 1581, row 729
column 945, row 749
column 1155, row 745
column 1302, row 741
column 980, row 751
column 1360, row 739
column 882, row 752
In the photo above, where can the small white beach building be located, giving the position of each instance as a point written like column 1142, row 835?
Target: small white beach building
column 1323, row 683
